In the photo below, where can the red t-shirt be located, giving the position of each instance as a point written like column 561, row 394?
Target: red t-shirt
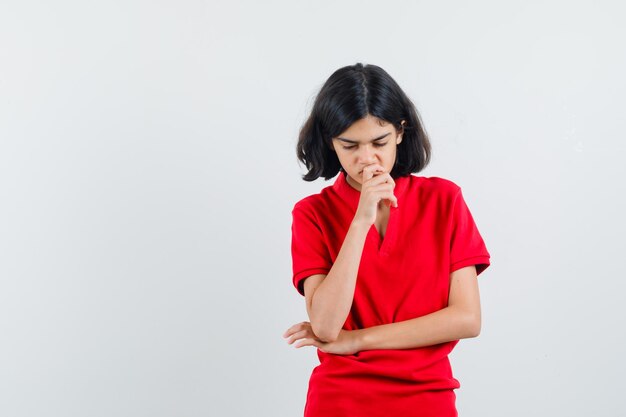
column 404, row 275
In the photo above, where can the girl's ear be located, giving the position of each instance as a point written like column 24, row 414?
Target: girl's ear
column 401, row 132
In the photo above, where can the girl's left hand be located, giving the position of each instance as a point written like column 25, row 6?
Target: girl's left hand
column 346, row 343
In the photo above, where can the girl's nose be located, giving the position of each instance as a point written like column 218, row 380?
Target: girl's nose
column 367, row 156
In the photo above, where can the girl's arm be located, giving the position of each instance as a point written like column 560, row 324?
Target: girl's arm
column 459, row 320
column 328, row 299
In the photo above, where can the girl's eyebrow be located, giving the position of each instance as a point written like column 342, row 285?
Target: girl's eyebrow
column 356, row 141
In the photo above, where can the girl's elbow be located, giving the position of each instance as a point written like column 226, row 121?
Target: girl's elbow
column 327, row 337
column 474, row 326
column 324, row 335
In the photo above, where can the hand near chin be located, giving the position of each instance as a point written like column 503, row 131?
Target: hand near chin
column 346, row 343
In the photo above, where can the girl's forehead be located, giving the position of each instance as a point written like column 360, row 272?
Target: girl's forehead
column 368, row 125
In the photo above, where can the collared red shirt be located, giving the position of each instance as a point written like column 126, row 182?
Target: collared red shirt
column 404, row 275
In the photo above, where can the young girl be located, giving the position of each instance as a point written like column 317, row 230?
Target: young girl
column 387, row 261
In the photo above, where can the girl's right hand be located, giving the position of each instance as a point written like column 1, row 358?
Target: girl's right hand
column 377, row 185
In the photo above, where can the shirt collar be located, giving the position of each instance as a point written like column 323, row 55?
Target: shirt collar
column 352, row 196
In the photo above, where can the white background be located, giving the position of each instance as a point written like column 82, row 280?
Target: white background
column 148, row 171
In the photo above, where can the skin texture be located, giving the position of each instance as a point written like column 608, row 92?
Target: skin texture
column 329, row 296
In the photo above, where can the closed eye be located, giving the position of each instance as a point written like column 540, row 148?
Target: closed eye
column 378, row 145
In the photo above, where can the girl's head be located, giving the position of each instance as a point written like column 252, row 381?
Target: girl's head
column 361, row 116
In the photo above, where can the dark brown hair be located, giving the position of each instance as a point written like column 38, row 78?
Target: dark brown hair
column 350, row 94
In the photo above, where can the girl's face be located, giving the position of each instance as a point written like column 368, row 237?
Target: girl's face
column 367, row 141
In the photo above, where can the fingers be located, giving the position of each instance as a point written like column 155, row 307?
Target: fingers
column 378, row 182
column 297, row 335
column 302, row 334
column 379, row 172
column 295, row 327
column 306, row 342
column 385, row 193
column 391, row 201
column 368, row 171
column 299, row 327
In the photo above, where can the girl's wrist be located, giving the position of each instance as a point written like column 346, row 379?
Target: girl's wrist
column 360, row 225
column 358, row 339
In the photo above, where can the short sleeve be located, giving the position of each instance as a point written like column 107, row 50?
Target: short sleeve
column 309, row 252
column 466, row 244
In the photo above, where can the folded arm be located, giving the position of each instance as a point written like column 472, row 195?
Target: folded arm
column 329, row 296
column 459, row 320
